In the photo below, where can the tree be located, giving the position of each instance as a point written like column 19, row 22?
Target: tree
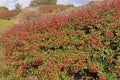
column 70, row 5
column 43, row 2
column 17, row 6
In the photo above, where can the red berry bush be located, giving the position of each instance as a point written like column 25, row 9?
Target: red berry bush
column 82, row 45
column 9, row 14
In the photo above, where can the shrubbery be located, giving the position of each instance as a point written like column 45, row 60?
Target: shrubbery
column 46, row 9
column 9, row 14
column 43, row 10
column 3, row 9
column 82, row 45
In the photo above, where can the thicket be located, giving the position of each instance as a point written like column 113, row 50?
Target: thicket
column 9, row 14
column 82, row 45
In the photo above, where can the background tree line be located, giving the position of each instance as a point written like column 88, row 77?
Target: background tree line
column 43, row 2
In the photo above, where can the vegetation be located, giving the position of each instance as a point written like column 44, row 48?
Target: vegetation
column 43, row 10
column 3, row 9
column 9, row 14
column 17, row 6
column 5, row 25
column 70, row 5
column 43, row 2
column 82, row 45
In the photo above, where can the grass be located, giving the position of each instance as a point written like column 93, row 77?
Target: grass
column 5, row 25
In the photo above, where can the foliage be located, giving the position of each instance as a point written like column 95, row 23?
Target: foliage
column 9, row 14
column 43, row 2
column 17, row 6
column 43, row 10
column 70, row 5
column 46, row 9
column 3, row 9
column 82, row 45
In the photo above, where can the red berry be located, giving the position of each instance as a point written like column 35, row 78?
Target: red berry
column 24, row 67
column 40, row 62
column 79, row 44
column 34, row 64
column 93, row 69
column 102, row 78
column 109, row 34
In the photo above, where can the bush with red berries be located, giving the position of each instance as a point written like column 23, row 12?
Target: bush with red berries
column 9, row 14
column 82, row 45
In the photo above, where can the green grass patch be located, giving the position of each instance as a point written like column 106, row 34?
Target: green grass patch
column 5, row 25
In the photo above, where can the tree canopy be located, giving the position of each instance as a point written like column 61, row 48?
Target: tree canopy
column 17, row 6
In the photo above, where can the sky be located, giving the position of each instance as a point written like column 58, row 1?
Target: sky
column 11, row 3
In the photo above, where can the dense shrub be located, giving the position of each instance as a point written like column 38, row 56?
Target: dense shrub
column 83, row 45
column 3, row 9
column 52, row 8
column 43, row 10
column 9, row 14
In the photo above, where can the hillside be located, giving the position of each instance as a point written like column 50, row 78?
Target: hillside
column 9, row 18
column 76, row 44
column 3, row 9
column 42, row 10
